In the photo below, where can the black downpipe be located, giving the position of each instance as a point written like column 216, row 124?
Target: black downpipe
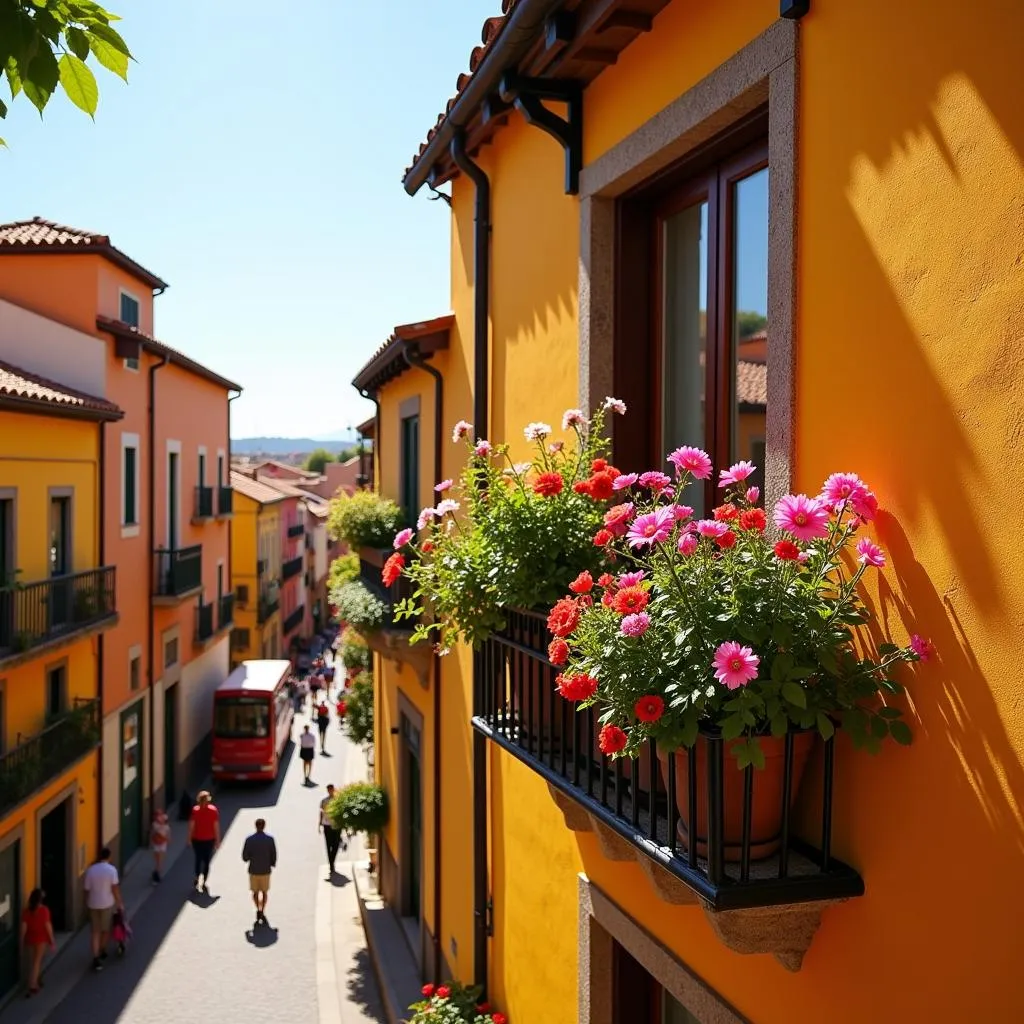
column 481, row 380
column 102, row 485
column 151, row 559
column 413, row 358
column 371, row 396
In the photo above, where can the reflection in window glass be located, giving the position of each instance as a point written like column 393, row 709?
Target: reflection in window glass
column 750, row 320
column 685, row 333
column 242, row 718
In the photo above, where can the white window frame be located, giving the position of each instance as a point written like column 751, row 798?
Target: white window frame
column 135, row 298
column 173, row 448
column 131, row 529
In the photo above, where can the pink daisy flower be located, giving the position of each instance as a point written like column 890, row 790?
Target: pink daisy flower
column 462, row 428
column 805, row 518
column 651, row 528
column 620, row 483
column 446, row 506
column 483, row 449
column 712, row 528
column 691, row 460
column 688, row 544
column 734, row 474
column 753, row 493
column 682, row 511
column 924, row 649
column 444, row 485
column 631, row 579
column 734, row 665
column 402, row 538
column 869, row 553
column 865, row 507
column 616, row 405
column 635, row 625
column 840, row 488
column 654, row 480
column 555, row 447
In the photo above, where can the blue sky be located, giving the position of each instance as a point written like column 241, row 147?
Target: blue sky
column 254, row 162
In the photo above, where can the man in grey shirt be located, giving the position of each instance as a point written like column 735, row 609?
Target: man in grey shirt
column 260, row 852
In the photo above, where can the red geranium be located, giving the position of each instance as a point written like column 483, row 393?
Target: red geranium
column 726, row 513
column 606, row 580
column 727, row 540
column 649, row 709
column 617, row 518
column 428, row 546
column 582, row 487
column 598, row 465
column 576, row 687
column 601, row 488
column 754, row 519
column 427, row 990
column 612, row 739
column 583, row 583
column 547, row 485
column 392, row 569
column 630, row 600
column 558, row 652
column 499, row 1018
column 602, row 538
column 787, row 551
column 563, row 617
column 443, row 991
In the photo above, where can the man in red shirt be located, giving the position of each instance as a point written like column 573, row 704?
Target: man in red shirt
column 203, row 837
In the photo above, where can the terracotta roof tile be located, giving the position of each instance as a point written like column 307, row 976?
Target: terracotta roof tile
column 290, row 490
column 259, row 492
column 21, row 386
column 751, row 383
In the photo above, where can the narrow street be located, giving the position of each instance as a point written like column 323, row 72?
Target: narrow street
column 200, row 955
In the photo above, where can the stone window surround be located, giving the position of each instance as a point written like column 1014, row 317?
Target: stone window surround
column 601, row 924
column 764, row 73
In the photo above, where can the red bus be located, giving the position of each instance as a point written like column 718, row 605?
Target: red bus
column 252, row 721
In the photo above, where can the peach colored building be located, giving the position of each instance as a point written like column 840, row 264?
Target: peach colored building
column 73, row 305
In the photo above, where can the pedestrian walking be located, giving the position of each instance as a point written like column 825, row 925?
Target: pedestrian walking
column 102, row 895
column 332, row 835
column 36, row 935
column 260, row 853
column 323, row 721
column 307, row 751
column 204, row 838
column 339, row 710
column 159, row 837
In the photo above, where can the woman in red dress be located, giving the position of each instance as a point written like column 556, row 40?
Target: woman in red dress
column 36, row 934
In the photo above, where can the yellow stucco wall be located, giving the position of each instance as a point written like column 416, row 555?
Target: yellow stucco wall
column 250, row 518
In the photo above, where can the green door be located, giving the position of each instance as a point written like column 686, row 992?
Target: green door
column 131, row 781
column 10, row 915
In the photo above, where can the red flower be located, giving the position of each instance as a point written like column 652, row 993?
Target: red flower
column 582, row 487
column 649, row 709
column 427, row 990
column 428, row 546
column 609, row 598
column 630, row 600
column 602, row 538
column 392, row 569
column 576, row 687
column 547, row 485
column 753, row 519
column 598, row 465
column 483, row 1007
column 727, row 540
column 341, row 708
column 348, row 682
column 612, row 739
column 617, row 518
column 606, row 580
column 787, row 551
column 499, row 1018
column 558, row 652
column 443, row 991
column 564, row 617
column 583, row 583
column 601, row 485
column 726, row 513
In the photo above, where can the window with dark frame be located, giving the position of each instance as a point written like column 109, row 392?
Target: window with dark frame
column 171, row 652
column 410, row 455
column 135, row 672
column 56, row 692
column 129, row 314
column 130, row 512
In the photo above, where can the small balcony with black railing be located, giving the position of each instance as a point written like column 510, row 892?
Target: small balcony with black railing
column 294, row 620
column 46, row 613
column 205, row 624
column 292, row 567
column 204, row 505
column 225, row 502
column 269, row 603
column 178, row 574
column 733, row 841
column 37, row 760
column 296, row 530
column 226, row 611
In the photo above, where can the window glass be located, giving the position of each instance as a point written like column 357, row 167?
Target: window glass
column 242, row 718
column 130, row 515
column 410, row 436
column 134, row 672
column 55, row 692
column 129, row 310
column 171, row 652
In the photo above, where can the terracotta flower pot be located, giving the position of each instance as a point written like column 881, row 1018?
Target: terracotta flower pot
column 766, row 805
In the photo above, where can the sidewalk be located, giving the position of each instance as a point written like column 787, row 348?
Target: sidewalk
column 64, row 969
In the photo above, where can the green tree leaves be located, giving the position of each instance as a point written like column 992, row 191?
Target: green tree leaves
column 46, row 43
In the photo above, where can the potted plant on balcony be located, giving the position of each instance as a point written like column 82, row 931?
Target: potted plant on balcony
column 453, row 1003
column 361, row 807
column 366, row 522
column 717, row 628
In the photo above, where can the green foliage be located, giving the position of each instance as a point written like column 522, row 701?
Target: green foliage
column 452, row 1003
column 500, row 541
column 317, row 459
column 359, row 807
column 359, row 709
column 344, row 569
column 46, row 43
column 354, row 652
column 364, row 520
column 749, row 322
column 359, row 607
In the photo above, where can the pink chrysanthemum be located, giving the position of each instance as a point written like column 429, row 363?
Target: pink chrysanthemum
column 655, row 481
column 483, row 449
column 402, row 538
column 651, row 528
column 753, row 493
column 924, row 649
column 635, row 625
column 621, row 482
column 631, row 579
column 805, row 518
column 692, row 461
column 536, row 431
column 712, row 528
column 446, row 506
column 425, row 516
column 734, row 474
column 735, row 666
column 616, row 405
column 840, row 488
column 444, row 485
column 869, row 553
column 573, row 418
column 688, row 543
column 682, row 512
column 462, row 428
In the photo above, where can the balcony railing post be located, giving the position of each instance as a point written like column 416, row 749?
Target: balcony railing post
column 716, row 851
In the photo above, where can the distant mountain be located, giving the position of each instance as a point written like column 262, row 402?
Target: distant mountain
column 346, row 436
column 284, row 445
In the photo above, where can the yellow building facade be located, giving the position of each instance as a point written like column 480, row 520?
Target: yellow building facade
column 873, row 223
column 255, row 568
column 57, row 598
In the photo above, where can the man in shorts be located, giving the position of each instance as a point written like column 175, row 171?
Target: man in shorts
column 260, row 852
column 102, row 895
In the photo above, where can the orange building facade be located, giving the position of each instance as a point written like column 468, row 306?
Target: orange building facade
column 770, row 250
column 166, row 508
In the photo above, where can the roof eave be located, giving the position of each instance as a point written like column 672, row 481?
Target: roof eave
column 46, row 407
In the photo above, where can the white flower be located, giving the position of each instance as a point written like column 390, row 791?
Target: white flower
column 616, row 405
column 462, row 428
column 573, row 418
column 536, row 431
column 555, row 447
column 426, row 515
column 448, row 505
column 521, row 468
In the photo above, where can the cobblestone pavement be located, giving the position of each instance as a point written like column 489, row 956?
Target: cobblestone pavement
column 195, row 957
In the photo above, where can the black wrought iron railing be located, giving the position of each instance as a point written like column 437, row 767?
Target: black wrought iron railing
column 268, row 605
column 294, row 620
column 32, row 614
column 291, row 568
column 225, row 501
column 41, row 758
column 296, row 530
column 370, row 577
column 226, row 612
column 178, row 571
column 204, row 622
column 204, row 503
column 726, row 833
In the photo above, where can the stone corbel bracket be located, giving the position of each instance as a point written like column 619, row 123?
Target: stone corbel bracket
column 784, row 931
column 395, row 646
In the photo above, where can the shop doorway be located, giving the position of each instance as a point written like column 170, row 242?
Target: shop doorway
column 55, row 862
